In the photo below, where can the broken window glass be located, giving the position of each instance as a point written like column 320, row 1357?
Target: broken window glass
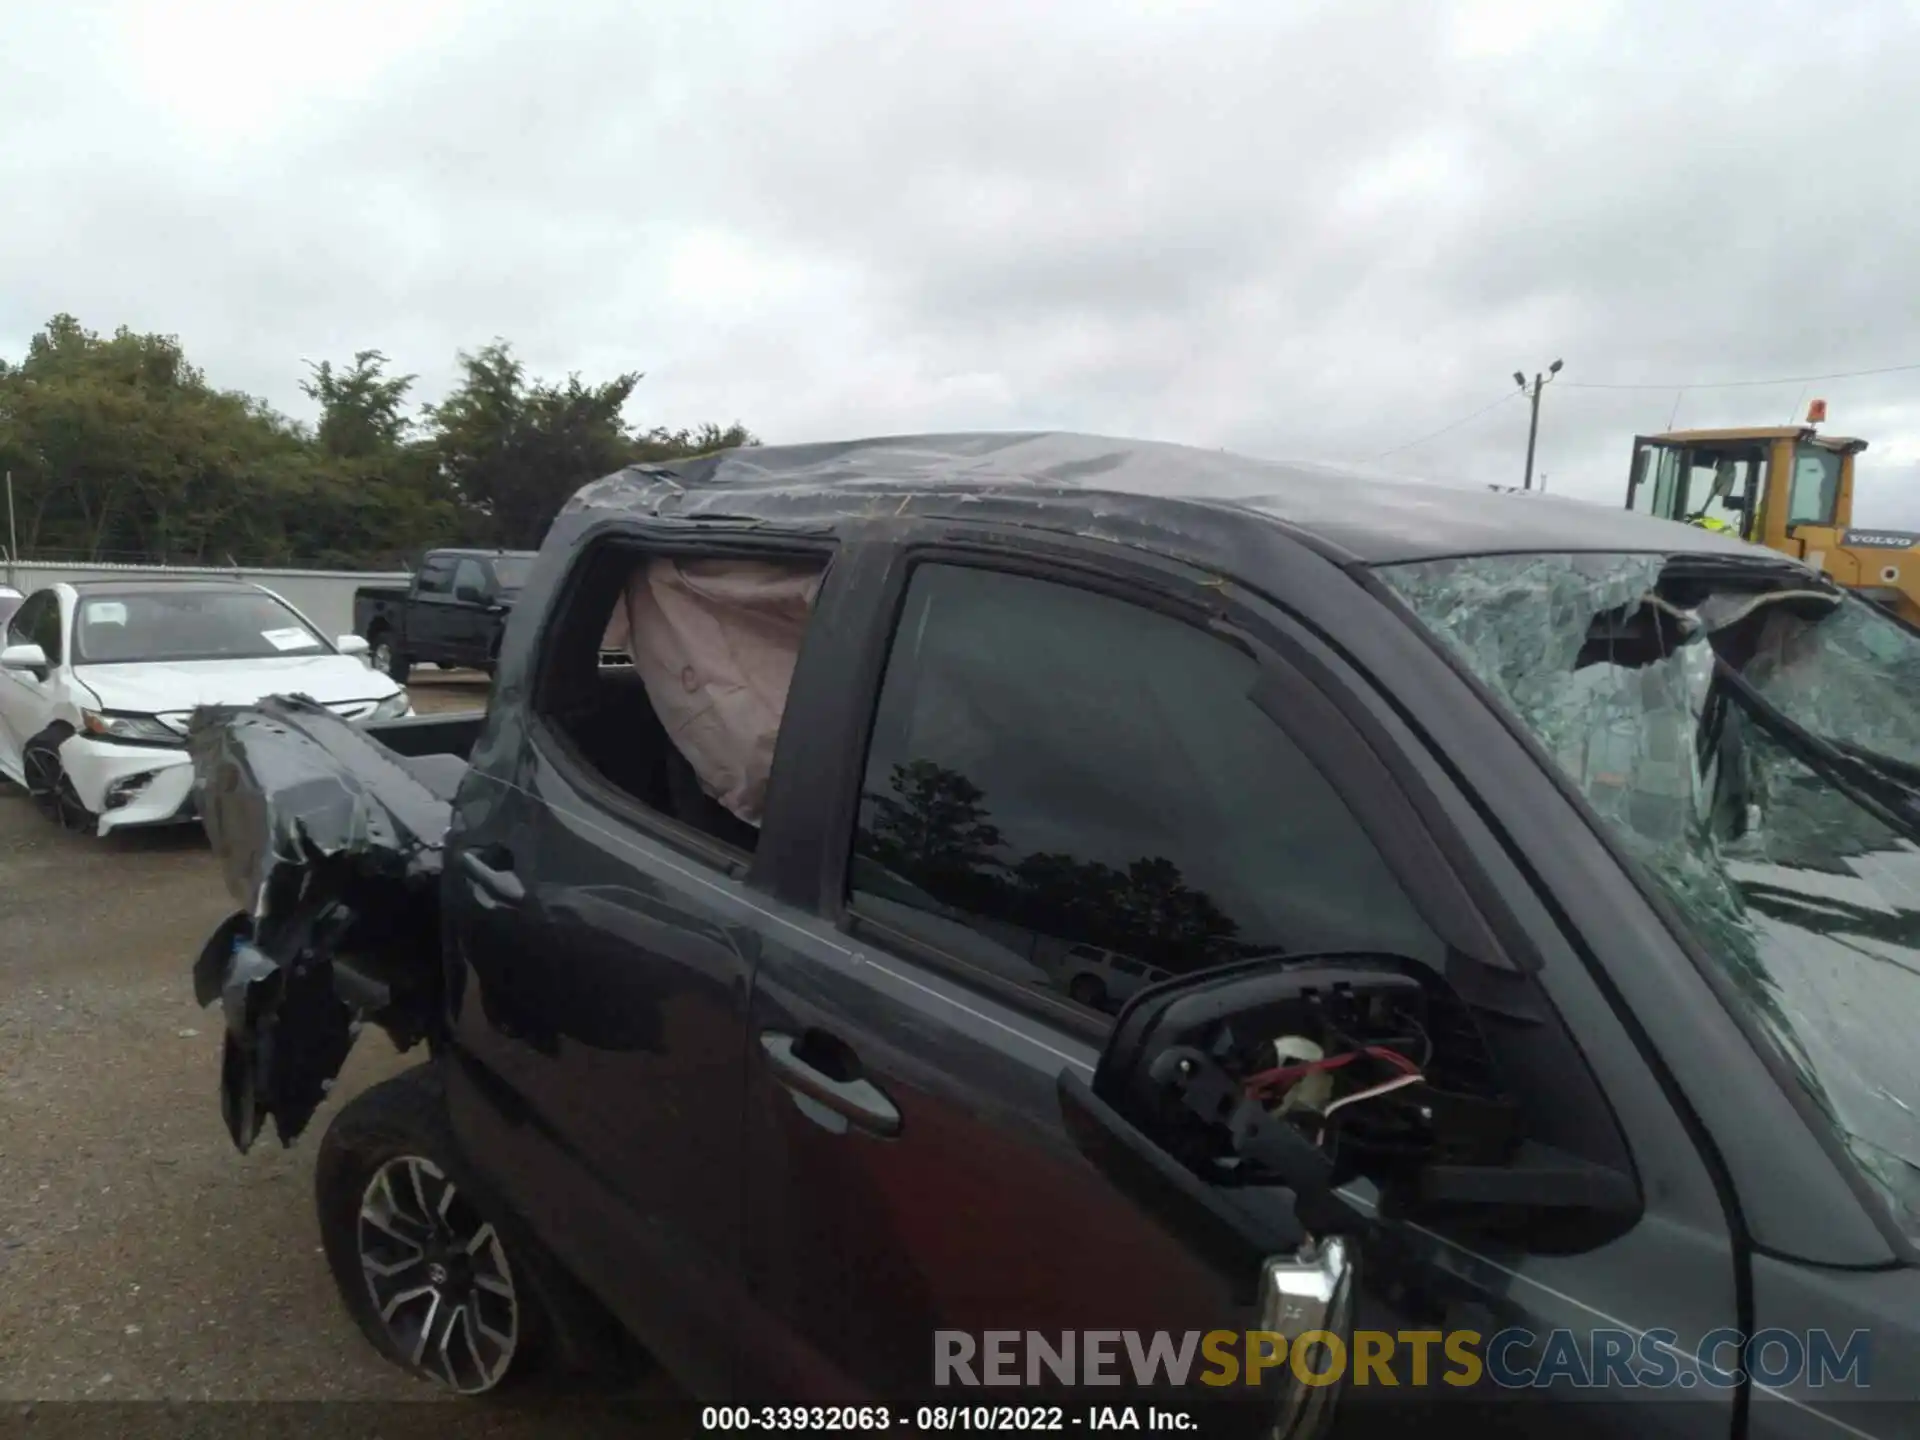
column 1708, row 723
column 1853, row 677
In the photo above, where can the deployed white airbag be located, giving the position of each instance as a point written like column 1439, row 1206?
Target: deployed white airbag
column 715, row 643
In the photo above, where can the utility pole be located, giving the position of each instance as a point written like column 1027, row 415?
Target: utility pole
column 13, row 534
column 1533, row 425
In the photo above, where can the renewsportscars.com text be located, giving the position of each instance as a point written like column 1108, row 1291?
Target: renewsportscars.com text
column 1509, row 1359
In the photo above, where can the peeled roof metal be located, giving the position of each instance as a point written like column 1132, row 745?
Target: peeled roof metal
column 1059, row 479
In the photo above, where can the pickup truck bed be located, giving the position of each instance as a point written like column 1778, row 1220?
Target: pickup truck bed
column 329, row 836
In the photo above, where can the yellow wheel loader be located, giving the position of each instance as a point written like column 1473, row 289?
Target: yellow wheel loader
column 1786, row 487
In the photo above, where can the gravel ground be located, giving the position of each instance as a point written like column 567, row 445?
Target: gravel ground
column 141, row 1258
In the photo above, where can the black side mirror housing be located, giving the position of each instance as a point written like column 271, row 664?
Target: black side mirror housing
column 1183, row 1072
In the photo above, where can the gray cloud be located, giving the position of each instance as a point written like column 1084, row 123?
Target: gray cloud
column 1313, row 230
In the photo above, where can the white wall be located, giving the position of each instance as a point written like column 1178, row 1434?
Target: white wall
column 324, row 596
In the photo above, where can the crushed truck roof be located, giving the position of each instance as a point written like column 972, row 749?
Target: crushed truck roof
column 1094, row 484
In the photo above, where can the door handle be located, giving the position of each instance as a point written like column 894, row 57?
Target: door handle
column 500, row 883
column 862, row 1103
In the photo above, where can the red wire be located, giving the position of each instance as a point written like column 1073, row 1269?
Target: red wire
column 1287, row 1074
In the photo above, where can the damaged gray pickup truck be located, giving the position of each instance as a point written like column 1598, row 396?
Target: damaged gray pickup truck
column 1503, row 925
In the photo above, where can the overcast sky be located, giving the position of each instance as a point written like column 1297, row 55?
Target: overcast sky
column 1301, row 230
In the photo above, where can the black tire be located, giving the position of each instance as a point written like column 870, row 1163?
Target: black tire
column 386, row 656
column 395, row 1196
column 49, row 788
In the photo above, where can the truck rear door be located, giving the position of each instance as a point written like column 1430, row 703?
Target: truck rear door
column 608, row 924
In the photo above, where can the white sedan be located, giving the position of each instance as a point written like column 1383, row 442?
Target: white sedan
column 98, row 681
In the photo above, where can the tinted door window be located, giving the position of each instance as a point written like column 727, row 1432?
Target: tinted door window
column 470, row 574
column 1051, row 768
column 436, row 577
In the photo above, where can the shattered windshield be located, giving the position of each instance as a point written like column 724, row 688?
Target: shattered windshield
column 1753, row 736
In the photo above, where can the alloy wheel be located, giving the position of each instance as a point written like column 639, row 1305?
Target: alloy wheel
column 438, row 1276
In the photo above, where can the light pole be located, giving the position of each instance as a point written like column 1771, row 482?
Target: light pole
column 1533, row 425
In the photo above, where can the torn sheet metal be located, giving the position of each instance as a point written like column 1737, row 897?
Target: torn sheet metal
column 1807, row 899
column 1855, row 675
column 332, row 844
column 1130, row 491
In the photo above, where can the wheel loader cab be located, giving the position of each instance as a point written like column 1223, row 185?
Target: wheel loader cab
column 1788, row 488
column 1718, row 480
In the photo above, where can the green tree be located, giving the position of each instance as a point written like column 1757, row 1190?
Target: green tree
column 121, row 449
column 362, row 408
column 513, row 451
column 378, row 494
column 658, row 444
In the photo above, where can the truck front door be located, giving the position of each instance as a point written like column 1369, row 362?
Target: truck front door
column 425, row 621
column 1057, row 766
column 469, row 618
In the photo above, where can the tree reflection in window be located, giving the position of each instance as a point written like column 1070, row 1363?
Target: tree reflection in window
column 1080, row 793
column 931, row 828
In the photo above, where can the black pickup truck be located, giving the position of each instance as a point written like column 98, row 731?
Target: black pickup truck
column 451, row 614
column 1527, row 897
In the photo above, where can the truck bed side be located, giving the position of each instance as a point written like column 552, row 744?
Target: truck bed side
column 329, row 839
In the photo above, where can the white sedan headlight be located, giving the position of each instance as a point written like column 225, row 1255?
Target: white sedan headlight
column 395, row 707
column 145, row 728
